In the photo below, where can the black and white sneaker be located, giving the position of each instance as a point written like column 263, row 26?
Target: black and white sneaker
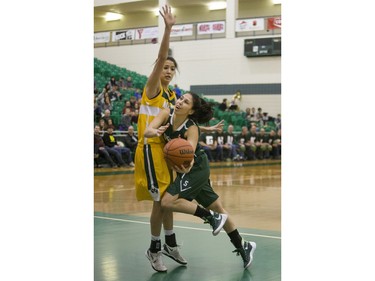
column 217, row 221
column 156, row 261
column 173, row 253
column 246, row 252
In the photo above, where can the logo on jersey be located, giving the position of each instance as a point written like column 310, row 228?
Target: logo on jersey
column 184, row 185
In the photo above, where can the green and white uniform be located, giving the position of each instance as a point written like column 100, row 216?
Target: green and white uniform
column 195, row 184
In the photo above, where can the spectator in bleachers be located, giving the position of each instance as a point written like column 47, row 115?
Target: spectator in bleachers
column 102, row 125
column 131, row 140
column 220, row 146
column 112, row 146
column 223, row 106
column 278, row 121
column 275, row 142
column 243, row 142
column 259, row 116
column 99, row 147
column 121, row 83
column 230, row 147
column 129, row 83
column 107, row 115
column 132, row 101
column 247, row 113
column 278, row 141
column 254, row 143
column 208, row 141
column 126, row 117
column 127, row 106
column 177, row 90
column 100, row 97
column 110, row 123
column 135, row 116
column 265, row 147
column 107, row 103
column 138, row 94
column 112, row 81
column 265, row 118
column 115, row 94
column 97, row 110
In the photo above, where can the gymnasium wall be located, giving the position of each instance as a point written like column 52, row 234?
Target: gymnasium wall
column 206, row 62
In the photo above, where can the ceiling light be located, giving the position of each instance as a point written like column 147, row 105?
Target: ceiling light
column 217, row 5
column 113, row 16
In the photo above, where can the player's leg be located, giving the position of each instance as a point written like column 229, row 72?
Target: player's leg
column 154, row 253
column 244, row 248
column 170, row 248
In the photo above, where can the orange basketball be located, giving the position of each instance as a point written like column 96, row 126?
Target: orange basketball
column 178, row 152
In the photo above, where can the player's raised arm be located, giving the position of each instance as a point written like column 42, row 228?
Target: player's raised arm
column 153, row 82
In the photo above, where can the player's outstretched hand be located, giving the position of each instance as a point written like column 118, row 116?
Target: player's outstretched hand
column 169, row 18
column 219, row 126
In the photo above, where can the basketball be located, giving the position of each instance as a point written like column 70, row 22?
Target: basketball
column 178, row 152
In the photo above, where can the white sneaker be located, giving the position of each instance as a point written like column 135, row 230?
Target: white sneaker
column 174, row 254
column 156, row 261
column 131, row 164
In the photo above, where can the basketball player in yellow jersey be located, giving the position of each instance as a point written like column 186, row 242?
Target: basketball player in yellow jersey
column 152, row 176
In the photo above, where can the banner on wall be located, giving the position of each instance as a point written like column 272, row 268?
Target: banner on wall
column 249, row 24
column 146, row 33
column 102, row 37
column 274, row 23
column 182, row 30
column 123, row 35
column 211, row 27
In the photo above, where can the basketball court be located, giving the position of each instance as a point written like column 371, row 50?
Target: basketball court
column 251, row 193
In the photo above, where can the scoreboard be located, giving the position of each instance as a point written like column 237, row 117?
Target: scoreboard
column 261, row 47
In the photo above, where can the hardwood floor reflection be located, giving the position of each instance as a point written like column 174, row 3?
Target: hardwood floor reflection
column 251, row 194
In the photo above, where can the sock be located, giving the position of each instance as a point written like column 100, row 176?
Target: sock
column 235, row 238
column 170, row 240
column 155, row 245
column 202, row 212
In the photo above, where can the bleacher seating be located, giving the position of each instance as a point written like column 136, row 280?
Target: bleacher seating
column 103, row 71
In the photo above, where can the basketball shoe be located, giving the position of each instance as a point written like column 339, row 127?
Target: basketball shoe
column 246, row 252
column 174, row 254
column 217, row 221
column 156, row 261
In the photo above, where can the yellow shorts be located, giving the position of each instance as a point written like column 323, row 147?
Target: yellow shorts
column 152, row 175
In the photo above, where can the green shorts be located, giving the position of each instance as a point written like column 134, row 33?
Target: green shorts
column 196, row 184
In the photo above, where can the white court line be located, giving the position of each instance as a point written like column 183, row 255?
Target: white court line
column 186, row 227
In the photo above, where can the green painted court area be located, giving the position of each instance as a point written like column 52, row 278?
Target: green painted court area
column 120, row 242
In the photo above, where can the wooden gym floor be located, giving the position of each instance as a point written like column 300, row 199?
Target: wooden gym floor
column 251, row 193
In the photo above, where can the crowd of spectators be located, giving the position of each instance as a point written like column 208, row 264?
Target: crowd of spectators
column 252, row 143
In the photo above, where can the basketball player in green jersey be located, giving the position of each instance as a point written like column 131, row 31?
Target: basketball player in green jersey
column 193, row 182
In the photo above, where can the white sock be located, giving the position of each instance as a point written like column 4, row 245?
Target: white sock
column 168, row 232
column 155, row 238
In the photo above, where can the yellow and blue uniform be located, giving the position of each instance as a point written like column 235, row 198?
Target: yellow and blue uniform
column 152, row 175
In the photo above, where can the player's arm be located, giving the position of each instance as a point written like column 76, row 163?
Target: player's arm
column 216, row 128
column 153, row 82
column 192, row 136
column 156, row 127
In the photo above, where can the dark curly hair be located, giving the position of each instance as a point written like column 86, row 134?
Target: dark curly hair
column 202, row 110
